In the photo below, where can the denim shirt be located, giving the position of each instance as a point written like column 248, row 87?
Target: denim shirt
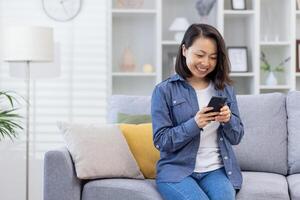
column 177, row 136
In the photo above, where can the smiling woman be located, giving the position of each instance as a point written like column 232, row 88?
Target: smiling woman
column 62, row 10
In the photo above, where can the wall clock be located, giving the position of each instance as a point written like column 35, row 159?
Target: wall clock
column 62, row 10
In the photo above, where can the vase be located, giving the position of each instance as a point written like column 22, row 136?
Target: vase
column 127, row 62
column 271, row 79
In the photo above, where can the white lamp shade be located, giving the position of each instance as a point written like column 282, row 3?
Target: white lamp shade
column 179, row 24
column 28, row 44
column 38, row 70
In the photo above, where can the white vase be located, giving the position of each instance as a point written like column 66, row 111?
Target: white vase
column 271, row 79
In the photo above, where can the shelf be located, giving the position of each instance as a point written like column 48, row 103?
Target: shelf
column 133, row 11
column 241, row 74
column 123, row 74
column 170, row 42
column 282, row 43
column 275, row 87
column 144, row 33
column 239, row 13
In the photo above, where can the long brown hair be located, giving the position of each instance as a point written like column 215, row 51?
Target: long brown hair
column 220, row 75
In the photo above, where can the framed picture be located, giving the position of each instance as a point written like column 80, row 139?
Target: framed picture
column 238, row 4
column 297, row 55
column 238, row 59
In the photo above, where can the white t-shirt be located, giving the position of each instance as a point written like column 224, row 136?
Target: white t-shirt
column 208, row 156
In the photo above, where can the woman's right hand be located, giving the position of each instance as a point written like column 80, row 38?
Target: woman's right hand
column 202, row 118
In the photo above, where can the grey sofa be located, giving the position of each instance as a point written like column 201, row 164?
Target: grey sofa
column 269, row 155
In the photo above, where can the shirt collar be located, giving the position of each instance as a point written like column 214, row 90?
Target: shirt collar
column 177, row 77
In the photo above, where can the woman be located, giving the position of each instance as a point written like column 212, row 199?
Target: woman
column 196, row 157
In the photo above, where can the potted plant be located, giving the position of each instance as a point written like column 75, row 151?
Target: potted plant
column 9, row 120
column 265, row 66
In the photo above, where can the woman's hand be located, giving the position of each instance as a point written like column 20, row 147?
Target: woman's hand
column 202, row 118
column 224, row 115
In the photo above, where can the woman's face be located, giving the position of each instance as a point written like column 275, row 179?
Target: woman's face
column 201, row 57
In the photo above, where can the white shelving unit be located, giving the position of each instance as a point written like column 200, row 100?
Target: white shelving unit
column 265, row 25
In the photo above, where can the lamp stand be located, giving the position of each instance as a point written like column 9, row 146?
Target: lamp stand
column 27, row 125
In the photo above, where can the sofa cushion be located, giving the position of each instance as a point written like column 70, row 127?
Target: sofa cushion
column 99, row 151
column 127, row 104
column 264, row 145
column 133, row 119
column 263, row 186
column 294, row 186
column 293, row 112
column 125, row 189
column 140, row 142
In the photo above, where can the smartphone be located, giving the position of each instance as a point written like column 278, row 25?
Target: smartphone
column 217, row 103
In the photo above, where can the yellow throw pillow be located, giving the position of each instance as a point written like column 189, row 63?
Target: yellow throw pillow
column 140, row 142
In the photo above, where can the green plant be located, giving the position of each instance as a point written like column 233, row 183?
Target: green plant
column 265, row 65
column 9, row 120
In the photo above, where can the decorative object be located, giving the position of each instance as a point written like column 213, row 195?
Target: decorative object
column 265, row 66
column 298, row 4
column 62, row 10
column 130, row 3
column 140, row 141
column 127, row 62
column 171, row 63
column 238, row 59
column 298, row 55
column 271, row 79
column 147, row 68
column 28, row 44
column 238, row 4
column 9, row 120
column 204, row 7
column 179, row 26
column 99, row 151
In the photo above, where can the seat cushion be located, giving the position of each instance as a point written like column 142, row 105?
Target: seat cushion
column 263, row 186
column 293, row 111
column 125, row 189
column 294, row 186
column 264, row 145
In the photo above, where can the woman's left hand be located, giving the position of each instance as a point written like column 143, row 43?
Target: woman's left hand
column 224, row 115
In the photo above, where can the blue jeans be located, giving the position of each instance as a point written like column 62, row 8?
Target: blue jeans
column 213, row 185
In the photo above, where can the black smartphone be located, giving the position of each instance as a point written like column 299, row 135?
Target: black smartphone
column 217, row 103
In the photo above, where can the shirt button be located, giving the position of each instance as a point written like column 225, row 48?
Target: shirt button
column 225, row 157
column 229, row 173
column 157, row 146
column 174, row 102
column 221, row 139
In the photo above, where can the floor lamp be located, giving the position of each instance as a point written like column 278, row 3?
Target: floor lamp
column 27, row 45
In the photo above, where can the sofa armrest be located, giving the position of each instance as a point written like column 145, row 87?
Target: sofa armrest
column 60, row 180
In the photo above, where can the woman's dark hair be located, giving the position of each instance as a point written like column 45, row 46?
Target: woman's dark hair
column 220, row 75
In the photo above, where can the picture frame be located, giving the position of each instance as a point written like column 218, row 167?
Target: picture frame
column 238, row 4
column 297, row 55
column 238, row 57
column 298, row 4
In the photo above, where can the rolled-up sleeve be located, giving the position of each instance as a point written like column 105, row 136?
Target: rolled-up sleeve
column 166, row 136
column 234, row 129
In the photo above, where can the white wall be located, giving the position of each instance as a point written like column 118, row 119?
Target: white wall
column 78, row 94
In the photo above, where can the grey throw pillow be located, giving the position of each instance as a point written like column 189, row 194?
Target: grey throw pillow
column 99, row 151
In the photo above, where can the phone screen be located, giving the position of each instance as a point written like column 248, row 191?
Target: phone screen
column 217, row 103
